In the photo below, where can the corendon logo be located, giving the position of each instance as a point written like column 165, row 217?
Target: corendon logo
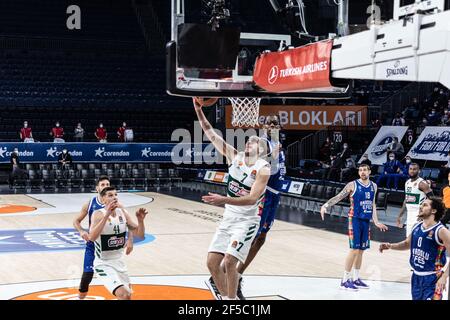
column 273, row 75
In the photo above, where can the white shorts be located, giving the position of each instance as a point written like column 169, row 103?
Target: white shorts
column 113, row 274
column 235, row 236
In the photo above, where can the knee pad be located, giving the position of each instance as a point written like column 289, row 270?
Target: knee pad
column 86, row 279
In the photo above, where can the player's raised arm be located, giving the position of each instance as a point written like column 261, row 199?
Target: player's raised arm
column 99, row 220
column 348, row 189
column 255, row 194
column 138, row 229
column 221, row 146
column 425, row 188
column 77, row 222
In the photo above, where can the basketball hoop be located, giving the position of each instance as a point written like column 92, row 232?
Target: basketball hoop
column 245, row 112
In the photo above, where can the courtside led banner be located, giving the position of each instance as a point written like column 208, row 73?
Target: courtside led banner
column 295, row 70
column 309, row 117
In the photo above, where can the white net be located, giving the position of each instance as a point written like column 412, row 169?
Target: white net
column 245, row 112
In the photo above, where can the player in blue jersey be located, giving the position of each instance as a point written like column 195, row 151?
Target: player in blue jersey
column 428, row 244
column 87, row 210
column 277, row 159
column 362, row 194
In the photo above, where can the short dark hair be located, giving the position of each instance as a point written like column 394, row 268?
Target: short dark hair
column 364, row 165
column 438, row 205
column 102, row 178
column 105, row 190
column 414, row 164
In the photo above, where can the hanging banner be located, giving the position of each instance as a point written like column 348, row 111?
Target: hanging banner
column 309, row 117
column 433, row 144
column 385, row 136
column 295, row 70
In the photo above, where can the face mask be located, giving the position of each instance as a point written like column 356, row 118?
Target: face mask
column 25, row 125
column 64, row 151
column 345, row 146
column 364, row 158
column 101, row 126
column 408, row 161
column 392, row 158
column 57, row 125
column 16, row 151
column 124, row 125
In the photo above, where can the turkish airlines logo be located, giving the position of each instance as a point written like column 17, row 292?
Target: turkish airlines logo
column 273, row 75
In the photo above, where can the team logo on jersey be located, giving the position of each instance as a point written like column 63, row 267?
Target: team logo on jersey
column 430, row 235
column 234, row 244
column 120, row 219
column 115, row 242
column 253, row 174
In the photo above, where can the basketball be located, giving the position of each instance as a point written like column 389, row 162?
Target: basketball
column 206, row 102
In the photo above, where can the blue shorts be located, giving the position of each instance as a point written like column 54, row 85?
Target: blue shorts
column 271, row 202
column 424, row 287
column 359, row 233
column 89, row 257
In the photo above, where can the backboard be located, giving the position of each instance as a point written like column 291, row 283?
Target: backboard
column 237, row 81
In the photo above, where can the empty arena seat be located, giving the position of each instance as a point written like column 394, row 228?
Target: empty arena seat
column 306, row 190
column 425, row 173
column 329, row 192
column 319, row 194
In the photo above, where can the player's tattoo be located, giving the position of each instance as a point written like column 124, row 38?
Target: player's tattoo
column 342, row 195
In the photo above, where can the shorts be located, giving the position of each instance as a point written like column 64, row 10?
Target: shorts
column 89, row 257
column 359, row 233
column 424, row 287
column 271, row 202
column 235, row 236
column 113, row 274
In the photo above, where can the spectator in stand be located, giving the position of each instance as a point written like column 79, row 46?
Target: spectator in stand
column 391, row 170
column 442, row 99
column 397, row 148
column 350, row 172
column 101, row 134
column 412, row 112
column 25, row 133
column 345, row 153
column 78, row 133
column 325, row 150
column 376, row 124
column 334, row 169
column 121, row 132
column 57, row 133
column 365, row 160
column 445, row 120
column 410, row 138
column 398, row 120
column 421, row 126
column 434, row 118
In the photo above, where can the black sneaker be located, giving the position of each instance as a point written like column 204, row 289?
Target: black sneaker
column 239, row 293
column 212, row 287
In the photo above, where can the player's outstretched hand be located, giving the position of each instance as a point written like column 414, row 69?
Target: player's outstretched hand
column 214, row 199
column 384, row 246
column 323, row 210
column 141, row 213
column 382, row 227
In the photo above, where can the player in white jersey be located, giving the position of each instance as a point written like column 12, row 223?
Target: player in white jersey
column 248, row 177
column 108, row 231
column 416, row 191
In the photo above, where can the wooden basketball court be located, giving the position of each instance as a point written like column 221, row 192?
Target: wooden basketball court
column 297, row 262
